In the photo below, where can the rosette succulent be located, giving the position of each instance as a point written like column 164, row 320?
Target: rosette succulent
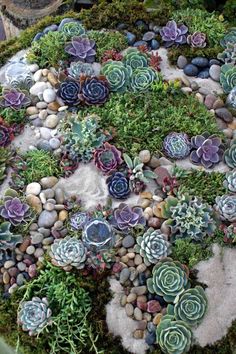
column 71, row 29
column 95, row 90
column 231, row 100
column 107, row 158
column 135, row 59
column 169, row 279
column 14, row 99
column 197, row 40
column 117, row 75
column 68, row 252
column 22, row 82
column 207, row 150
column 230, row 155
column 173, row 33
column 6, row 135
column 81, row 48
column 152, row 246
column 34, row 315
column 228, row 77
column 142, row 78
column 176, row 145
column 98, row 235
column 188, row 217
column 8, row 240
column 230, row 181
column 229, row 54
column 78, row 69
column 14, row 210
column 118, row 185
column 78, row 220
column 69, row 92
column 230, row 37
column 226, row 207
column 124, row 217
column 173, row 336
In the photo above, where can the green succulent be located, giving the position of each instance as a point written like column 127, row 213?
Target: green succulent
column 152, row 246
column 142, row 79
column 230, row 155
column 117, row 75
column 8, row 241
column 169, row 279
column 230, row 37
column 228, row 77
column 79, row 68
column 174, row 337
column 71, row 29
column 188, row 217
column 191, row 307
column 228, row 56
column 135, row 59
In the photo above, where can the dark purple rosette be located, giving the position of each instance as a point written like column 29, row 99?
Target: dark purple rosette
column 173, row 33
column 69, row 92
column 14, row 99
column 95, row 90
column 14, row 210
column 6, row 135
column 78, row 220
column 107, row 158
column 82, row 48
column 118, row 185
column 125, row 217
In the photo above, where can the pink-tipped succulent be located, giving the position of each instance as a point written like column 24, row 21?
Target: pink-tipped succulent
column 197, row 40
column 107, row 158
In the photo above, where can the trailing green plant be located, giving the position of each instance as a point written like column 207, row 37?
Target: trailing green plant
column 12, row 116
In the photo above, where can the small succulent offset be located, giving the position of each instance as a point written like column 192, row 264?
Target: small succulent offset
column 117, row 75
column 230, row 181
column 174, row 34
column 125, row 217
column 68, row 252
column 152, row 246
column 78, row 220
column 69, row 92
column 228, row 77
column 176, row 145
column 107, row 158
column 134, row 59
column 71, row 29
column 98, row 235
column 173, row 336
column 81, row 48
column 14, row 99
column 197, row 40
column 142, row 78
column 8, row 240
column 95, row 90
column 228, row 56
column 230, row 155
column 207, row 150
column 14, row 210
column 34, row 315
column 188, row 217
column 78, row 69
column 6, row 135
column 169, row 279
column 118, row 185
column 226, row 207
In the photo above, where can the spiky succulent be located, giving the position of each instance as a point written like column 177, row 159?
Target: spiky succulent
column 68, row 252
column 197, row 40
column 107, row 158
column 169, row 279
column 117, row 74
column 71, row 29
column 124, row 217
column 152, row 246
column 230, row 155
column 228, row 77
column 81, row 48
column 34, row 315
column 14, row 210
column 142, row 78
column 230, row 37
column 188, row 217
column 69, row 92
column 230, row 181
column 176, row 145
column 226, row 207
column 134, row 59
column 173, row 33
column 8, row 240
column 95, row 90
column 228, row 56
column 173, row 336
column 14, row 99
column 118, row 185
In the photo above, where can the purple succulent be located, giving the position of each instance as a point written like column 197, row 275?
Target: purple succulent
column 14, row 99
column 208, row 150
column 78, row 220
column 173, row 33
column 6, row 135
column 14, row 210
column 125, row 217
column 69, row 92
column 118, row 186
column 107, row 158
column 197, row 40
column 95, row 90
column 82, row 48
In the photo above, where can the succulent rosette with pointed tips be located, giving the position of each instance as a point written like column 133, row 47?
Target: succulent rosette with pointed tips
column 82, row 48
column 107, row 158
column 117, row 75
column 6, row 135
column 95, row 90
column 226, row 207
column 173, row 33
column 124, row 217
column 69, row 92
column 118, row 186
column 177, row 145
column 197, row 40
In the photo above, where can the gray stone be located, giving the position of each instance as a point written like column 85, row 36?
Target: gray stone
column 36, row 238
column 21, row 266
column 37, row 122
column 30, row 250
column 54, row 143
column 39, row 252
column 45, row 133
column 148, row 36
column 224, row 114
column 47, row 218
column 191, row 70
column 38, row 88
column 9, row 264
column 48, row 182
column 201, row 62
column 124, row 275
column 129, row 309
column 145, row 156
column 210, row 100
column 59, row 195
column 128, row 241
column 51, row 121
column 139, row 290
column 41, row 105
column 215, row 72
column 48, row 193
column 138, row 315
column 20, row 280
column 44, row 145
column 182, row 62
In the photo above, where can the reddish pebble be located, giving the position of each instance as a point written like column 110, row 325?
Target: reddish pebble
column 12, row 280
column 117, row 267
column 32, row 270
column 153, row 306
column 142, row 305
column 24, row 245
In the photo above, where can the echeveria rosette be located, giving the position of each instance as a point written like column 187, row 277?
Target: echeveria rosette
column 230, row 181
column 230, row 155
column 95, row 90
column 6, row 135
column 14, row 99
column 34, row 315
column 68, row 252
column 71, row 29
column 135, row 59
column 117, row 74
column 78, row 220
column 78, row 69
column 169, row 279
column 14, row 210
column 107, row 158
column 142, row 78
column 226, row 207
column 173, row 33
column 82, row 48
column 118, row 186
column 98, row 235
column 197, row 40
column 69, row 92
column 228, row 56
column 228, row 77
column 176, row 145
column 126, row 217
column 207, row 150
column 173, row 336
column 8, row 240
column 152, row 246
column 230, row 37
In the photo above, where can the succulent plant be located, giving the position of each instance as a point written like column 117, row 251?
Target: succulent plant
column 230, row 181
column 176, row 145
column 134, row 59
column 118, row 185
column 95, row 90
column 14, row 99
column 6, row 135
column 111, row 54
column 78, row 69
column 68, row 252
column 229, row 233
column 142, row 78
column 8, row 240
column 117, row 75
column 169, row 279
column 34, row 315
column 125, row 217
column 173, row 33
column 226, row 207
column 228, row 77
column 78, row 220
column 174, row 337
column 69, row 92
column 230, row 37
column 228, row 56
column 107, row 158
column 81, row 48
column 22, row 82
column 207, row 150
column 98, row 235
column 14, row 210
column 231, row 100
column 197, row 40
column 5, row 156
column 152, row 246
column 155, row 61
column 188, row 217
column 230, row 155
column 71, row 29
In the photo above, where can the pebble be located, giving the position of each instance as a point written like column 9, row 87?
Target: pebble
column 122, row 251
column 138, row 315
column 48, row 182
column 54, row 143
column 52, row 79
column 41, row 105
column 49, row 193
column 209, row 100
column 36, row 238
column 47, row 218
column 154, row 222
column 133, row 273
column 224, row 114
column 139, row 43
column 39, row 252
column 33, row 188
column 51, row 121
column 63, row 215
column 32, row 271
column 219, row 103
column 62, row 108
column 20, row 280
column 185, row 81
column 34, row 202
column 157, row 319
column 33, row 67
column 30, row 250
column 131, row 38
column 191, row 70
column 204, row 74
column 37, row 123
column 6, row 277
column 215, row 72
column 138, row 334
column 204, row 91
column 59, row 195
column 123, row 300
column 32, row 110
column 182, row 62
column 129, row 309
column 201, row 62
column 43, row 114
column 44, row 145
column 9, row 264
column 150, row 338
column 21, row 266
column 131, row 298
column 38, row 88
column 138, row 260
column 141, row 268
column 24, row 245
column 13, row 272
column 124, row 275
column 48, row 240
column 142, row 325
column 128, row 241
column 153, row 306
column 228, row 133
column 49, row 206
column 186, row 90
column 154, row 162
column 49, row 95
column 37, row 75
column 148, row 36
column 155, row 44
column 145, row 203
column 145, row 156
column 58, row 225
column 194, row 86
column 139, row 290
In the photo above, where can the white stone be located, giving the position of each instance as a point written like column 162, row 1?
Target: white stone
column 43, row 114
column 33, row 68
column 45, row 133
column 41, row 105
column 49, row 95
column 38, row 88
column 63, row 108
column 33, row 188
column 51, row 121
column 38, row 75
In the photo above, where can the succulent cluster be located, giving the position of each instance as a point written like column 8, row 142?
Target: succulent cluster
column 172, row 33
column 176, row 145
column 230, row 155
column 14, row 99
column 230, row 37
column 6, row 135
column 226, row 207
column 142, row 78
column 78, row 220
column 107, row 158
column 95, row 90
column 14, row 210
column 81, row 48
column 69, row 92
column 197, row 40
column 124, row 217
column 117, row 74
column 72, row 29
column 228, row 77
column 135, row 59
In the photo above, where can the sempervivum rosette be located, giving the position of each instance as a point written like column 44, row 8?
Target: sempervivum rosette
column 125, row 217
column 230, row 181
column 228, row 77
column 78, row 220
column 117, row 75
column 69, row 92
column 14, row 210
column 176, row 145
column 197, row 40
column 118, row 186
column 226, row 207
column 95, row 90
column 14, row 99
column 152, row 246
column 107, row 158
column 142, row 78
column 79, row 68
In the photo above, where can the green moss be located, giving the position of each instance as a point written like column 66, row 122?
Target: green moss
column 229, row 11
column 11, row 116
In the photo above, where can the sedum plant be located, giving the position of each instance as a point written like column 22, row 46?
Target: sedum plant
column 230, row 181
column 117, row 75
column 226, row 207
column 228, row 77
column 135, row 59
